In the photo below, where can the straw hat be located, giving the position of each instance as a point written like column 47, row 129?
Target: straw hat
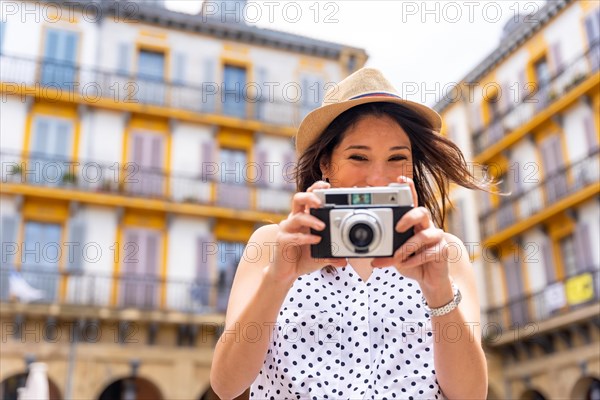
column 367, row 85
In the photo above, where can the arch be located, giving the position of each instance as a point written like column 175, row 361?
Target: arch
column 586, row 388
column 8, row 387
column 532, row 394
column 143, row 388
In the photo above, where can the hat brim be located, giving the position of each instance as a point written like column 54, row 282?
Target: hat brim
column 316, row 121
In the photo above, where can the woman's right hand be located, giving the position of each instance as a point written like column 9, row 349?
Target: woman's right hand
column 292, row 249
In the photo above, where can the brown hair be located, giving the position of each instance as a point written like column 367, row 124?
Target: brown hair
column 436, row 160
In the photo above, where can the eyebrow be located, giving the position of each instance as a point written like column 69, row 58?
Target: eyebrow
column 362, row 147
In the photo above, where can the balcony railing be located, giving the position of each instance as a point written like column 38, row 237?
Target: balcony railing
column 45, row 285
column 563, row 183
column 575, row 72
column 256, row 101
column 153, row 183
column 557, row 298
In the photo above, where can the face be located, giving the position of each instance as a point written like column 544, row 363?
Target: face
column 374, row 152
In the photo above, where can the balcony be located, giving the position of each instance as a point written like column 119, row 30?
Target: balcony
column 131, row 181
column 56, row 80
column 41, row 285
column 531, row 202
column 563, row 82
column 557, row 298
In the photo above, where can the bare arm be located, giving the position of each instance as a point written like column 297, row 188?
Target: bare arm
column 259, row 289
column 460, row 362
column 255, row 301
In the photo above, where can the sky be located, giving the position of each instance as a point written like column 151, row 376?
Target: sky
column 422, row 47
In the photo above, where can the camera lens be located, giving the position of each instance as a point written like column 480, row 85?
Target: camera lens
column 361, row 235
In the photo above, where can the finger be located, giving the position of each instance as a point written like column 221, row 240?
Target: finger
column 418, row 242
column 298, row 238
column 426, row 255
column 319, row 185
column 298, row 221
column 411, row 183
column 303, row 199
column 419, row 217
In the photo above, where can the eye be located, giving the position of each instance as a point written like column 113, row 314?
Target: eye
column 398, row 158
column 357, row 157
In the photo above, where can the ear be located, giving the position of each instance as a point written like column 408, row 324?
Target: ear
column 325, row 167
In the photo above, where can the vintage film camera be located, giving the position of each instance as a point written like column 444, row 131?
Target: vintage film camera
column 360, row 221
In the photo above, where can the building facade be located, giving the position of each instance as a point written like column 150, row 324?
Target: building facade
column 529, row 115
column 140, row 149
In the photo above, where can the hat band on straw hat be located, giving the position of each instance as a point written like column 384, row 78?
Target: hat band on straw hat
column 380, row 94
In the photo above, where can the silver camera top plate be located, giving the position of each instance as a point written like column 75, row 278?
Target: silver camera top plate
column 395, row 194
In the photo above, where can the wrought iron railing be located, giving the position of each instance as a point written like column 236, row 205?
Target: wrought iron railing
column 556, row 298
column 46, row 285
column 518, row 113
column 132, row 180
column 256, row 101
column 533, row 199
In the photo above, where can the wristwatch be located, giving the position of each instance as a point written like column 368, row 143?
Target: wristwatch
column 443, row 310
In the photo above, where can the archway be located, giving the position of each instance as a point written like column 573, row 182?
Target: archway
column 131, row 388
column 9, row 386
column 587, row 388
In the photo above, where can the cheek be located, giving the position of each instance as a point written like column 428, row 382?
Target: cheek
column 405, row 169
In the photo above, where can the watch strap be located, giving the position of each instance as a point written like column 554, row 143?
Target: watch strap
column 445, row 309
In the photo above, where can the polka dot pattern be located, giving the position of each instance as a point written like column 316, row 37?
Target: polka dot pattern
column 338, row 337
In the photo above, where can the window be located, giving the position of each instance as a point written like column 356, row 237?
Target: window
column 542, row 72
column 233, row 162
column 592, row 29
column 147, row 174
column 151, row 73
column 493, row 106
column 567, row 253
column 2, row 32
column 229, row 256
column 542, row 76
column 50, row 151
column 233, row 190
column 40, row 255
column 60, row 57
column 496, row 130
column 312, row 93
column 555, row 182
column 140, row 270
column 515, row 290
column 234, row 102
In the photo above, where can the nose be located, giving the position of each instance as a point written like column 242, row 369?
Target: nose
column 377, row 176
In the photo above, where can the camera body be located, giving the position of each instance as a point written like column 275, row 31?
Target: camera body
column 359, row 222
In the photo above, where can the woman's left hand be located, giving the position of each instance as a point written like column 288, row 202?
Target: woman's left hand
column 422, row 257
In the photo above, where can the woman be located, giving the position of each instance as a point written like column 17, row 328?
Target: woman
column 406, row 326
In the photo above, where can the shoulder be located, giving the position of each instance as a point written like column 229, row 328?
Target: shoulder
column 264, row 234
column 262, row 240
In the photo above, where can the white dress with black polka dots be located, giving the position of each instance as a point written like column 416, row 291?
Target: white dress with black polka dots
column 338, row 337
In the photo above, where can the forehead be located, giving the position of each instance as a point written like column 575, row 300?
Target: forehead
column 373, row 129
